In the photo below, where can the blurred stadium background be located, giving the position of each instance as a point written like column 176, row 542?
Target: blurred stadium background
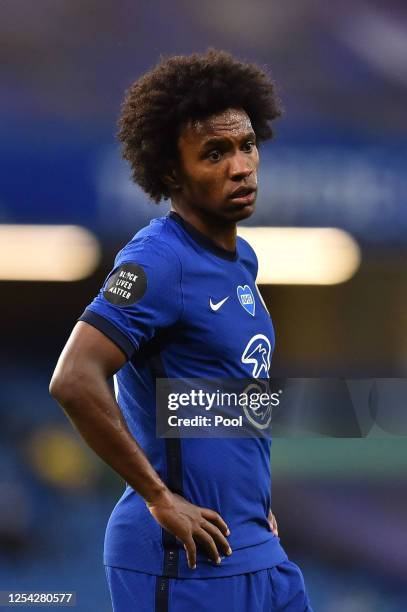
column 339, row 161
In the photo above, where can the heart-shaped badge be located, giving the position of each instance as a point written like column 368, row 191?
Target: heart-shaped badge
column 246, row 298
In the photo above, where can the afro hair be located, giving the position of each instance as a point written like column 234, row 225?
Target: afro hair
column 183, row 88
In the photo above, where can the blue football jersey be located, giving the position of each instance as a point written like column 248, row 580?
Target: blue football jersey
column 179, row 306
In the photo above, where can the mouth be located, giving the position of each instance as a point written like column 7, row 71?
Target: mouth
column 244, row 195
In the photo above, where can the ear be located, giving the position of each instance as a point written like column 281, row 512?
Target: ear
column 171, row 179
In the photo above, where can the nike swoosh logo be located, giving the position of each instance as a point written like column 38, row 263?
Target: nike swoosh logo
column 216, row 306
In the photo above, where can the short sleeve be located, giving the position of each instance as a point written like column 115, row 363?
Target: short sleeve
column 141, row 295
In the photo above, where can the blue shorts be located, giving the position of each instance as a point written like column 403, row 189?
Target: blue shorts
column 270, row 590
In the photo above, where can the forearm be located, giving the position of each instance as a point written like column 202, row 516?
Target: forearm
column 96, row 415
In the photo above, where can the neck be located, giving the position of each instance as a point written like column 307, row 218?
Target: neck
column 222, row 233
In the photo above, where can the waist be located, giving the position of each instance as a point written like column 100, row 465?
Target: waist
column 134, row 540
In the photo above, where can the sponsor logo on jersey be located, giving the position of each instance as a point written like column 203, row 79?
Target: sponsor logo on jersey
column 217, row 305
column 257, row 354
column 258, row 414
column 246, row 298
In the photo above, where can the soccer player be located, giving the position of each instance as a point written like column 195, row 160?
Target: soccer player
column 193, row 530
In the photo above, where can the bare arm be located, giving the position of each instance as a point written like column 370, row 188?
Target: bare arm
column 79, row 384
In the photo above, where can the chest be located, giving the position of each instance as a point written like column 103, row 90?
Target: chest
column 226, row 320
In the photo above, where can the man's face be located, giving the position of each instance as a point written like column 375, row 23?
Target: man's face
column 217, row 168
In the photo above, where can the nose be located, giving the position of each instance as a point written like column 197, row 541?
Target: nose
column 240, row 167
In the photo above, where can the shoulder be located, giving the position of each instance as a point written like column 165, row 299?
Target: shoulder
column 247, row 256
column 152, row 246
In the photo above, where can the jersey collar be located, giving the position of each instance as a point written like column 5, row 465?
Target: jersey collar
column 203, row 240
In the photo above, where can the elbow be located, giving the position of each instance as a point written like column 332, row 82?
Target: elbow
column 63, row 385
column 55, row 387
column 71, row 383
column 58, row 387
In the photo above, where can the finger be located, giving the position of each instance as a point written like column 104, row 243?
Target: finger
column 274, row 529
column 208, row 544
column 216, row 519
column 190, row 549
column 220, row 540
column 272, row 522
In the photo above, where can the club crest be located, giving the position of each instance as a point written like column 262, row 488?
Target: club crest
column 246, row 298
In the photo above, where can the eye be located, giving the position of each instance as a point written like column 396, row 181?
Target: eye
column 248, row 146
column 214, row 155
